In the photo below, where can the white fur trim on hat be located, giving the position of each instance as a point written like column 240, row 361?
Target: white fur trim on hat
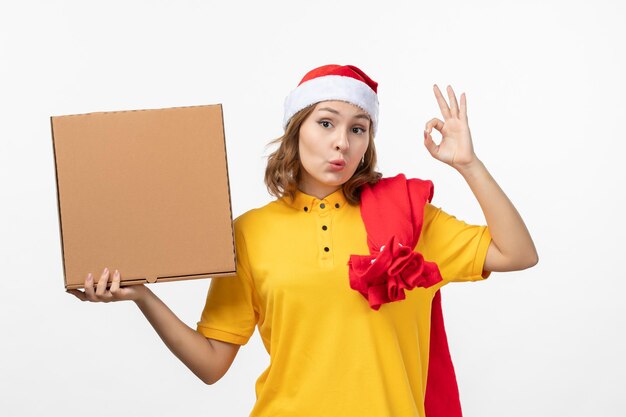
column 332, row 87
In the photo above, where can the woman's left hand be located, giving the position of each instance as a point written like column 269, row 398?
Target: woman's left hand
column 455, row 148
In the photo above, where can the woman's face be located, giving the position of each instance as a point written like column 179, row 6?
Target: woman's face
column 332, row 141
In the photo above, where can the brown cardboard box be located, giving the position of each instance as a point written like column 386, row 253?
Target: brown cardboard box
column 145, row 192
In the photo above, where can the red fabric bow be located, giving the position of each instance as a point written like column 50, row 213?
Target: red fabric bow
column 393, row 213
column 384, row 276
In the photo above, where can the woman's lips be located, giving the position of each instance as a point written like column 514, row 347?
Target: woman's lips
column 337, row 164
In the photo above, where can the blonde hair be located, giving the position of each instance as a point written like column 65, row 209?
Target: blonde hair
column 282, row 174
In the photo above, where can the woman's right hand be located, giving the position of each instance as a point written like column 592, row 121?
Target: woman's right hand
column 114, row 293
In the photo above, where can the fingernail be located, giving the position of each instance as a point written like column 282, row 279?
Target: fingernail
column 117, row 273
column 106, row 270
column 89, row 277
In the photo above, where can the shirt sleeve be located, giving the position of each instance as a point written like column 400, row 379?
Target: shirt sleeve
column 231, row 310
column 458, row 248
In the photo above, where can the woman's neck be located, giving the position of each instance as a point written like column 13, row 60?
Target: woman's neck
column 319, row 192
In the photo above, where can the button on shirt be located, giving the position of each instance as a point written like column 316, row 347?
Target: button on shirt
column 322, row 214
column 331, row 354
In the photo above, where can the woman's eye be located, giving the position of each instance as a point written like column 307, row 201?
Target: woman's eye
column 358, row 130
column 325, row 123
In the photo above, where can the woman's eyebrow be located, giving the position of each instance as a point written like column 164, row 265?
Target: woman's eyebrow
column 329, row 109
column 357, row 116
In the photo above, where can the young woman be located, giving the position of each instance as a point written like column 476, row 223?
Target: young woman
column 337, row 346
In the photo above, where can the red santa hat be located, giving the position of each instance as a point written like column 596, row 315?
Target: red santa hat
column 334, row 82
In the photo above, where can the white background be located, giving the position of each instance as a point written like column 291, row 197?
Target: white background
column 545, row 88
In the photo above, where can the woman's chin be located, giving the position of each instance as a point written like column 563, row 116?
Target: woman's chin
column 327, row 179
column 335, row 179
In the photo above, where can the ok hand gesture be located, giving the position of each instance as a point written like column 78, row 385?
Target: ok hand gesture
column 456, row 147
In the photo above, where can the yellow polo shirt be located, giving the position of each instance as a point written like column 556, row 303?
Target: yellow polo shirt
column 330, row 353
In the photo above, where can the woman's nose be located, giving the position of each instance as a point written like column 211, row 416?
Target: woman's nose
column 341, row 141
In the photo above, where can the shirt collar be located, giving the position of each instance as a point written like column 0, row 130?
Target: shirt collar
column 307, row 203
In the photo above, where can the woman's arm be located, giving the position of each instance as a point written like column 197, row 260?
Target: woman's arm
column 208, row 359
column 511, row 248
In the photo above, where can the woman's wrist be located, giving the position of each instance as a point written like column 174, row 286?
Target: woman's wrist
column 143, row 295
column 471, row 169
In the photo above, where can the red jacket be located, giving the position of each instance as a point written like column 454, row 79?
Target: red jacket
column 393, row 213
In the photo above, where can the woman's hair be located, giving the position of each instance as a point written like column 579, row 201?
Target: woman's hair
column 282, row 174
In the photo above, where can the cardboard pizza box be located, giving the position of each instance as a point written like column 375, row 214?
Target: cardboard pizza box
column 145, row 192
